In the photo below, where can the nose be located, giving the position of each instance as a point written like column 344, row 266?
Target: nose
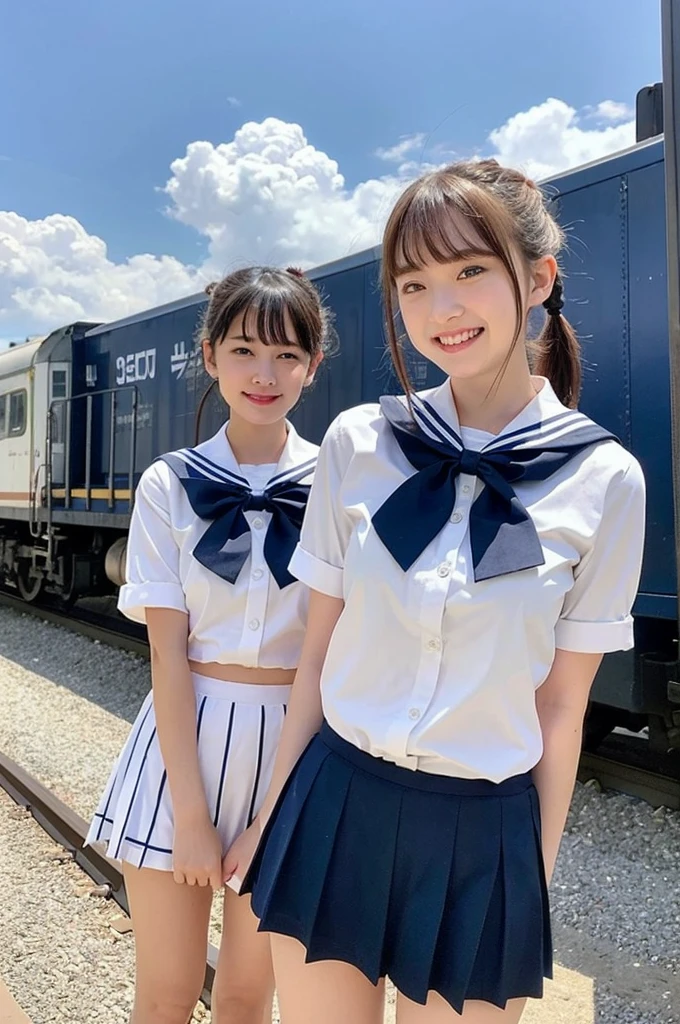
column 264, row 374
column 445, row 303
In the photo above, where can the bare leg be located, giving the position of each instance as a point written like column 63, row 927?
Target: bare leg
column 438, row 1011
column 329, row 992
column 171, row 927
column 243, row 989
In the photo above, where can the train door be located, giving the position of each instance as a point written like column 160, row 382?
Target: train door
column 58, row 392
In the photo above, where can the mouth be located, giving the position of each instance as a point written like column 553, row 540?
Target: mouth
column 261, row 399
column 457, row 341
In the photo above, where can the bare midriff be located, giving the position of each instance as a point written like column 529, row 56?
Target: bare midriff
column 242, row 674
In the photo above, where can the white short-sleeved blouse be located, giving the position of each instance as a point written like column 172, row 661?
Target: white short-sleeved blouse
column 428, row 668
column 250, row 622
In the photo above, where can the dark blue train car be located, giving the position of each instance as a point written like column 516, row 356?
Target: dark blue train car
column 141, row 382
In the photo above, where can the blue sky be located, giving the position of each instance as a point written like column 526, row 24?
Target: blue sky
column 105, row 96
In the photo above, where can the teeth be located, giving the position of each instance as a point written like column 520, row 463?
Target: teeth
column 460, row 338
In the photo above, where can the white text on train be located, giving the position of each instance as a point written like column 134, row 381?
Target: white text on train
column 136, row 366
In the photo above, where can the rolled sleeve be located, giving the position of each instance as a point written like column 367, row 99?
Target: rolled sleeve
column 596, row 615
column 316, row 573
column 319, row 558
column 152, row 563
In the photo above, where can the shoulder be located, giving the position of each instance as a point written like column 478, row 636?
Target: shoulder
column 360, row 426
column 610, row 481
column 615, row 467
column 158, row 482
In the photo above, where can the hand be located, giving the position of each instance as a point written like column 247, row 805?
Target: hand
column 237, row 860
column 197, row 854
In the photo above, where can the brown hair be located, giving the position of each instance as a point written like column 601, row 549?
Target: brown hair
column 506, row 213
column 268, row 293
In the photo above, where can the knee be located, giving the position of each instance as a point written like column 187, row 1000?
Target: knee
column 164, row 1008
column 238, row 1004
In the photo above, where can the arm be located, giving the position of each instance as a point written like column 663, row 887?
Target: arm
column 595, row 619
column 303, row 720
column 318, row 562
column 305, row 715
column 561, row 703
column 153, row 594
column 197, row 848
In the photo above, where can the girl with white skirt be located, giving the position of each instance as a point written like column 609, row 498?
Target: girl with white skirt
column 212, row 533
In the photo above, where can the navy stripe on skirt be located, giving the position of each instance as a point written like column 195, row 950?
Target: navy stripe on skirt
column 437, row 882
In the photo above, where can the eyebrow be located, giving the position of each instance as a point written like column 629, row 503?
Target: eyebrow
column 250, row 339
column 460, row 257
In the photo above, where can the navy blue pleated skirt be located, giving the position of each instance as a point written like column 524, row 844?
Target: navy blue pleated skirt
column 434, row 881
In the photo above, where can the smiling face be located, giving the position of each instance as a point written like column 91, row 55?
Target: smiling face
column 462, row 313
column 259, row 380
column 467, row 252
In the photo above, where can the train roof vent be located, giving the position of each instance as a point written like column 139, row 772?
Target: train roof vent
column 649, row 112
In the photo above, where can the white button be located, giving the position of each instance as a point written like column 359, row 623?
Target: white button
column 443, row 570
column 414, row 713
column 456, row 517
column 258, row 523
column 434, row 644
column 466, row 488
column 254, row 623
column 258, row 574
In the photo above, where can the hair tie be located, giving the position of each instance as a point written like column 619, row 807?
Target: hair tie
column 210, row 288
column 295, row 271
column 554, row 304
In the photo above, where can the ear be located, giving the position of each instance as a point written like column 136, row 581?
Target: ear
column 542, row 278
column 209, row 358
column 311, row 370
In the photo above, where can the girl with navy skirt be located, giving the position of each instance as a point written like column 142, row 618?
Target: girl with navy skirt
column 212, row 533
column 473, row 551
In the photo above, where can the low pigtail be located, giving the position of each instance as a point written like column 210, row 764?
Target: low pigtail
column 199, row 411
column 558, row 351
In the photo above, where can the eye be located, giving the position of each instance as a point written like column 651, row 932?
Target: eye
column 289, row 355
column 411, row 287
column 240, row 350
column 471, row 272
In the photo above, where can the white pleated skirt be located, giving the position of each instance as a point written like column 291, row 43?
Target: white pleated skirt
column 238, row 726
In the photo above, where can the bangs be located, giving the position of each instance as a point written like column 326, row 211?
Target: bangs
column 264, row 312
column 445, row 219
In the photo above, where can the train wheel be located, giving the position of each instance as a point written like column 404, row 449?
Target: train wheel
column 30, row 587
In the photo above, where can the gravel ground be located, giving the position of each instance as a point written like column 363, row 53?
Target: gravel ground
column 67, row 707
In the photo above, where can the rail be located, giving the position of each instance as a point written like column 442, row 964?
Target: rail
column 69, row 830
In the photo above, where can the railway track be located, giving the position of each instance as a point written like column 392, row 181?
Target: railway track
column 105, row 627
column 69, row 830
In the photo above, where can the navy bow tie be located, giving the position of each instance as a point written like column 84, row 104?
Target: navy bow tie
column 503, row 537
column 225, row 545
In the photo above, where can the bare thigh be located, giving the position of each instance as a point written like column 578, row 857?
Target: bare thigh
column 171, row 928
column 438, row 1011
column 329, row 991
column 243, row 989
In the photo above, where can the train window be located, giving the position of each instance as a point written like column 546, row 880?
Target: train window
column 17, row 413
column 58, row 384
column 3, row 416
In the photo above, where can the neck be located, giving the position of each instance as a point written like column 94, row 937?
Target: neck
column 484, row 403
column 256, row 444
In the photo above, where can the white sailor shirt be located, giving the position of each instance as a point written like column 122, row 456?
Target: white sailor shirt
column 251, row 622
column 428, row 668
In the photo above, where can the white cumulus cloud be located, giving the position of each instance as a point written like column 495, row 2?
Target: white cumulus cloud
column 52, row 271
column 271, row 195
column 267, row 195
column 551, row 137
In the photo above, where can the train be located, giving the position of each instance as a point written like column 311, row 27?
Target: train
column 84, row 410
